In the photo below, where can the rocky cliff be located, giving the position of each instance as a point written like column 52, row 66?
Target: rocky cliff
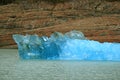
column 97, row 19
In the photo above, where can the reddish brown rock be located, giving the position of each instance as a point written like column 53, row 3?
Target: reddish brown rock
column 98, row 20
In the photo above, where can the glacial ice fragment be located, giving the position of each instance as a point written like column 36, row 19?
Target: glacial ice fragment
column 72, row 45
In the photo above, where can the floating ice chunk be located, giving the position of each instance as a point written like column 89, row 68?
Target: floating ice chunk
column 90, row 50
column 18, row 38
column 72, row 45
column 75, row 35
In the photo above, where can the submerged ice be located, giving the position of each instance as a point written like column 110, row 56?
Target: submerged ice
column 72, row 45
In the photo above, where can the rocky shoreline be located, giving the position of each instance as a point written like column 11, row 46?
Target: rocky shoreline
column 98, row 20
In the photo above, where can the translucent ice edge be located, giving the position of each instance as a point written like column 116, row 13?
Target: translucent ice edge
column 72, row 45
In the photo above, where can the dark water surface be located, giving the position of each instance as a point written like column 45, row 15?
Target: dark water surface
column 12, row 68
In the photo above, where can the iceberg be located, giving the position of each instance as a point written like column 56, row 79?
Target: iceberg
column 72, row 45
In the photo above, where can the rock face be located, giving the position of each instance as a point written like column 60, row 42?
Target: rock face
column 97, row 19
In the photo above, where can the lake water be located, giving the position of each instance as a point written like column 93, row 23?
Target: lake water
column 12, row 68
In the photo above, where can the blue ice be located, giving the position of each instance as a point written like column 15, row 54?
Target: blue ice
column 72, row 45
